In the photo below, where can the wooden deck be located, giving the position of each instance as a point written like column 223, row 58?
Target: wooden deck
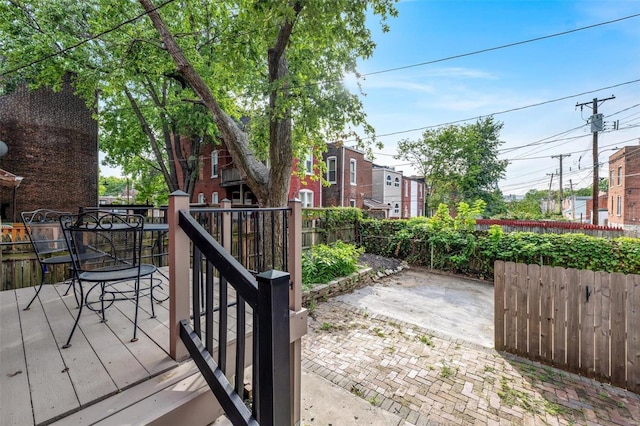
column 41, row 383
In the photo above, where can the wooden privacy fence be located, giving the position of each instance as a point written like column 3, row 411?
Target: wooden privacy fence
column 581, row 321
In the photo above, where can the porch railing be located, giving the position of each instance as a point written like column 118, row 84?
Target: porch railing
column 255, row 314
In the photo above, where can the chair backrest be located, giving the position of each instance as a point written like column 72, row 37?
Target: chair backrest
column 104, row 241
column 44, row 231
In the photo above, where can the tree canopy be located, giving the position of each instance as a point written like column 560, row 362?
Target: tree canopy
column 459, row 163
column 264, row 77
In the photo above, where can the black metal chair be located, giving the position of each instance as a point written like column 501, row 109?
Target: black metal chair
column 116, row 274
column 44, row 232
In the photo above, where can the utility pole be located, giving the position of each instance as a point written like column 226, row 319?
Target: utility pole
column 549, row 193
column 561, row 156
column 596, row 126
column 573, row 202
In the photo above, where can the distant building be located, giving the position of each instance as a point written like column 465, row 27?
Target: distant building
column 348, row 175
column 575, row 209
column 387, row 188
column 623, row 202
column 412, row 197
column 53, row 145
column 219, row 178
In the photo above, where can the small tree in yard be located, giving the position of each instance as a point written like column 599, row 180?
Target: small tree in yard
column 459, row 163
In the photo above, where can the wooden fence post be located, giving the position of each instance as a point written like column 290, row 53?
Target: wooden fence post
column 178, row 274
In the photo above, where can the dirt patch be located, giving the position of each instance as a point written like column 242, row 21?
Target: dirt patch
column 379, row 263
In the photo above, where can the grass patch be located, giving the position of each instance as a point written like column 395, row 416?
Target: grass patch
column 378, row 331
column 427, row 340
column 357, row 391
column 527, row 401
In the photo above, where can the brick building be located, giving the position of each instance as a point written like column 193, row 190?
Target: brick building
column 53, row 144
column 348, row 175
column 623, row 204
column 412, row 197
column 220, row 179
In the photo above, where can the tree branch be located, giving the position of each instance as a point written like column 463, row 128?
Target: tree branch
column 236, row 141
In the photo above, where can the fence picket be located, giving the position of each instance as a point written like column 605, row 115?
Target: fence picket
column 534, row 311
column 546, row 313
column 499, row 307
column 573, row 319
column 618, row 355
column 581, row 321
column 602, row 336
column 633, row 333
column 510, row 306
column 522, row 309
column 587, row 330
column 559, row 316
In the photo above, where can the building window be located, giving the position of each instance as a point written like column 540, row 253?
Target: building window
column 235, row 197
column 611, row 178
column 214, row 164
column 397, row 182
column 306, row 196
column 388, row 180
column 619, row 206
column 214, row 198
column 396, row 208
column 406, row 188
column 331, row 169
column 308, row 164
column 201, row 198
column 352, row 171
column 619, row 175
column 248, row 197
column 352, row 203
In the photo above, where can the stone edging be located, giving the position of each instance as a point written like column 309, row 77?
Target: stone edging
column 359, row 279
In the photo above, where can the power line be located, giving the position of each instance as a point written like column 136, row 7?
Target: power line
column 564, row 98
column 80, row 43
column 504, row 46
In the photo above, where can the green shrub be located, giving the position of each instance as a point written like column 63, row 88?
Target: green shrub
column 324, row 263
column 450, row 244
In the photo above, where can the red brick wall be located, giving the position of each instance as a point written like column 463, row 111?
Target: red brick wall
column 53, row 145
column 207, row 185
column 340, row 193
column 628, row 159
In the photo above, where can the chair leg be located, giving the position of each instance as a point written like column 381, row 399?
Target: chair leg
column 153, row 309
column 135, row 316
column 44, row 270
column 102, row 309
column 75, row 324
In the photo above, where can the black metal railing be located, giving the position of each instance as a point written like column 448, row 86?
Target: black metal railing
column 232, row 308
column 258, row 237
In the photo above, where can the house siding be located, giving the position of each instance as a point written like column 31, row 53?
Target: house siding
column 388, row 194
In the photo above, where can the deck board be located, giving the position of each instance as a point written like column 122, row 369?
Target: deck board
column 15, row 405
column 52, row 393
column 100, row 375
column 80, row 357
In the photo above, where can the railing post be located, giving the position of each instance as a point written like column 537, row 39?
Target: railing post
column 273, row 399
column 178, row 274
column 226, row 225
column 295, row 304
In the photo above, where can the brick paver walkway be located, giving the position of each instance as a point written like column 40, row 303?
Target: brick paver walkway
column 428, row 378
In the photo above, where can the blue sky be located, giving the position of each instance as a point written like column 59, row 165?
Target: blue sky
column 514, row 77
